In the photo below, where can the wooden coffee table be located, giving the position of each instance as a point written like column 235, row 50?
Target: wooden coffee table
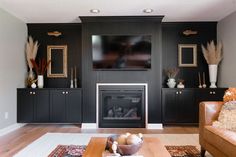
column 152, row 147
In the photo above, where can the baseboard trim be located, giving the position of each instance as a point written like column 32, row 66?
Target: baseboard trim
column 94, row 126
column 89, row 126
column 11, row 128
column 154, row 126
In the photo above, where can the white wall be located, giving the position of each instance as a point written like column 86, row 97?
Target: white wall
column 13, row 35
column 226, row 30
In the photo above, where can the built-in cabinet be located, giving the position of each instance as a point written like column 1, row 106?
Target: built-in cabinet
column 49, row 105
column 33, row 105
column 165, row 39
column 181, row 106
column 65, row 105
column 177, row 106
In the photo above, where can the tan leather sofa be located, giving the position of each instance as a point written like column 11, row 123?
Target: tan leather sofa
column 218, row 142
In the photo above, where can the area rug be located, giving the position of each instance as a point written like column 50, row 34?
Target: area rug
column 68, row 151
column 77, row 151
column 183, row 151
column 44, row 145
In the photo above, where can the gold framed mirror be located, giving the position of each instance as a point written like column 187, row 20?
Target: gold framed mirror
column 58, row 56
column 187, row 55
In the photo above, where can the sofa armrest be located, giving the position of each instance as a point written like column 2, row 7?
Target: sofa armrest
column 208, row 113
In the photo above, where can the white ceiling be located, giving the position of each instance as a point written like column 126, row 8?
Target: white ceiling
column 67, row 11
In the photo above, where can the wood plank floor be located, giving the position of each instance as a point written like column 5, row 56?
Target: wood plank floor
column 17, row 140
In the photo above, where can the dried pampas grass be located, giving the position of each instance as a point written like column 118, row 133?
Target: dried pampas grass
column 171, row 72
column 31, row 51
column 213, row 53
column 41, row 67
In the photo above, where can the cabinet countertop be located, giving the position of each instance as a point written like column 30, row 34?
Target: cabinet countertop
column 49, row 88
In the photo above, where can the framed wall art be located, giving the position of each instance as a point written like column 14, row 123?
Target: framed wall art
column 58, row 56
column 187, row 55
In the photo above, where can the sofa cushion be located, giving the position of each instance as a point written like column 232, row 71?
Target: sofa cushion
column 227, row 116
column 222, row 139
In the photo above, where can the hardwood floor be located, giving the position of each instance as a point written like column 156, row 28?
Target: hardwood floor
column 17, row 140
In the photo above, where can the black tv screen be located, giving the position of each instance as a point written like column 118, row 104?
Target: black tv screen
column 121, row 52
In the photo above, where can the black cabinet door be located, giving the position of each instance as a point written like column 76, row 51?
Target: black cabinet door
column 25, row 106
column 42, row 106
column 188, row 109
column 209, row 94
column 178, row 106
column 170, row 108
column 58, row 106
column 73, row 106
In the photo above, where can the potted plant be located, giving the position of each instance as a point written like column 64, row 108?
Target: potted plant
column 171, row 74
column 213, row 55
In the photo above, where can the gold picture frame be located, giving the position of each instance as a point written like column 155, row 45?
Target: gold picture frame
column 58, row 65
column 187, row 55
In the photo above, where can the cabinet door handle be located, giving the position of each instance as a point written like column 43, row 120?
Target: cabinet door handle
column 66, row 92
column 177, row 92
column 213, row 92
column 210, row 92
column 31, row 92
column 180, row 92
column 63, row 92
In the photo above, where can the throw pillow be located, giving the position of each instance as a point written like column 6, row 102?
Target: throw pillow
column 230, row 95
column 227, row 117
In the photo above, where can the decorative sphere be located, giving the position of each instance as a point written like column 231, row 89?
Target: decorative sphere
column 122, row 139
column 140, row 135
column 133, row 139
column 127, row 134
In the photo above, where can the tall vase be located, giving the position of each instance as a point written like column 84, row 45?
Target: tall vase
column 40, row 81
column 213, row 74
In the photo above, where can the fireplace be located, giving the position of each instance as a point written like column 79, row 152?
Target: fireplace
column 121, row 106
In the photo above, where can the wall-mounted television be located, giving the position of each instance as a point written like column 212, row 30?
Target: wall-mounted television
column 121, row 52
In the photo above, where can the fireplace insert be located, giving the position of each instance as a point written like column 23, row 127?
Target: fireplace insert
column 121, row 107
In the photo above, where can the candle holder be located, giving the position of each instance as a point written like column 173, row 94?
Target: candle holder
column 71, row 79
column 199, row 80
column 71, row 84
column 204, row 80
column 75, row 79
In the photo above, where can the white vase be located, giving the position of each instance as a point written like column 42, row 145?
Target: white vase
column 40, row 81
column 213, row 74
column 171, row 83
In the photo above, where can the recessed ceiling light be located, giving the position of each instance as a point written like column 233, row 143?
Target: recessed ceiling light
column 94, row 11
column 147, row 10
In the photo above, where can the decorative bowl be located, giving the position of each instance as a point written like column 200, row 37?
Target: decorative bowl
column 122, row 148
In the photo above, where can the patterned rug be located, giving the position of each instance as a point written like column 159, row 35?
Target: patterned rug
column 68, row 151
column 183, row 151
column 77, row 151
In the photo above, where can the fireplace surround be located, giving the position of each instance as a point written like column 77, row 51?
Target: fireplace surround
column 147, row 125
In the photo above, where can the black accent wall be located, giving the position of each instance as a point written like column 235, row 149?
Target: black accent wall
column 71, row 36
column 121, row 26
column 172, row 36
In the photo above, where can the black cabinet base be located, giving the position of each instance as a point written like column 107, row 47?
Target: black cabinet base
column 49, row 105
column 181, row 106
